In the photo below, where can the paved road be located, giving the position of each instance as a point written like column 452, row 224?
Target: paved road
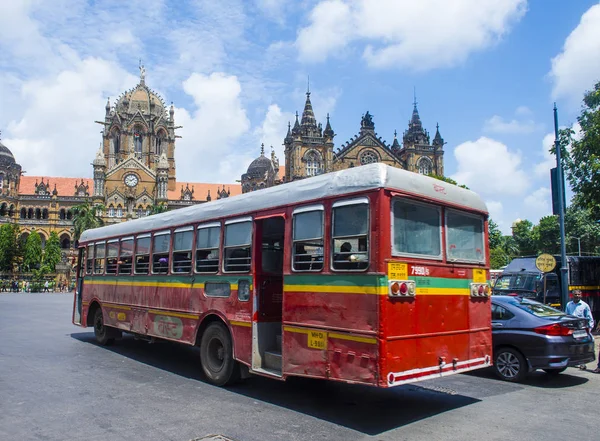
column 57, row 384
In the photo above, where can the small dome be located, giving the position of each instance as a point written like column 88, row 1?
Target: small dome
column 516, row 222
column 260, row 166
column 6, row 156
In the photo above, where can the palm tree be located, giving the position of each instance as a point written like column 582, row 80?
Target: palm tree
column 85, row 217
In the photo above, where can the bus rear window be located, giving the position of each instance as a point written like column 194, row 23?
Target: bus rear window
column 464, row 237
column 89, row 266
column 160, row 252
column 142, row 255
column 99, row 261
column 350, row 235
column 416, row 229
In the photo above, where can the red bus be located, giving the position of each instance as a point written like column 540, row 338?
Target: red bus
column 370, row 275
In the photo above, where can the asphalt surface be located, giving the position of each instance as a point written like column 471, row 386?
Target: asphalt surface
column 57, row 384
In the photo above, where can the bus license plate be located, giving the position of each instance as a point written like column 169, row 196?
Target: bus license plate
column 580, row 334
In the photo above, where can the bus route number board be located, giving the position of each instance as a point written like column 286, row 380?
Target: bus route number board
column 317, row 340
column 397, row 271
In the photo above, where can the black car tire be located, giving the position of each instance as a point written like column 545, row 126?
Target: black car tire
column 510, row 365
column 555, row 371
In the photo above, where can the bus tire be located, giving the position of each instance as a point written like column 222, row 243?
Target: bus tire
column 216, row 355
column 104, row 335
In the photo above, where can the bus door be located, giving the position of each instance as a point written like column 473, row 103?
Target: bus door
column 79, row 286
column 268, row 253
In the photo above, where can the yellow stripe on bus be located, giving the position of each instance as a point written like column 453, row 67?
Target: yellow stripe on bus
column 332, row 334
column 245, row 324
column 443, row 291
column 173, row 314
column 115, row 306
column 234, row 286
column 376, row 290
column 584, row 287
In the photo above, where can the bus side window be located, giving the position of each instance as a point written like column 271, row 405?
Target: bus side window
column 100, row 248
column 237, row 247
column 160, row 252
column 112, row 257
column 126, row 256
column 182, row 250
column 307, row 251
column 207, row 248
column 142, row 255
column 350, row 224
column 89, row 267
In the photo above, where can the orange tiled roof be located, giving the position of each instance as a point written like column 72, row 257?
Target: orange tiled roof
column 201, row 190
column 64, row 186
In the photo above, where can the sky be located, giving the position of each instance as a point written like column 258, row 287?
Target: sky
column 237, row 71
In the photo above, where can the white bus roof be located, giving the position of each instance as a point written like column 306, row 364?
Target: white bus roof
column 349, row 181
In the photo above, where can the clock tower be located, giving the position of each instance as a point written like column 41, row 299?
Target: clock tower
column 134, row 169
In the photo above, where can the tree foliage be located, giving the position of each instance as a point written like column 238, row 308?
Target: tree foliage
column 52, row 252
column 582, row 164
column 524, row 238
column 33, row 251
column 85, row 217
column 494, row 233
column 158, row 208
column 546, row 235
column 8, row 246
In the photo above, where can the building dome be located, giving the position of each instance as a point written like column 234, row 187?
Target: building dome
column 260, row 166
column 143, row 98
column 6, row 156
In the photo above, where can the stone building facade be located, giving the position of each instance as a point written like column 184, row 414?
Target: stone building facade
column 310, row 150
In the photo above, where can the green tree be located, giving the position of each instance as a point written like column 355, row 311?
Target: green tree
column 33, row 251
column 447, row 179
column 158, row 208
column 52, row 252
column 582, row 164
column 85, row 217
column 547, row 235
column 581, row 228
column 524, row 238
column 494, row 233
column 8, row 246
column 498, row 258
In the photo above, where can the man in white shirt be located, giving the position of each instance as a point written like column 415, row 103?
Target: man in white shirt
column 579, row 308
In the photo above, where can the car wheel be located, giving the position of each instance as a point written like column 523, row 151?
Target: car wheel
column 510, row 365
column 555, row 371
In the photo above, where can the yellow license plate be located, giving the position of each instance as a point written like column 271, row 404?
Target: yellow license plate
column 317, row 340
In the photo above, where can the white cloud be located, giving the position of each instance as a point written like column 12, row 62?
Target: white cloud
column 539, row 203
column 488, row 167
column 542, row 168
column 274, row 9
column 497, row 124
column 272, row 131
column 393, row 34
column 577, row 68
column 211, row 133
column 56, row 134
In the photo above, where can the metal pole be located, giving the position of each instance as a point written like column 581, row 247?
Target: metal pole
column 579, row 245
column 564, row 282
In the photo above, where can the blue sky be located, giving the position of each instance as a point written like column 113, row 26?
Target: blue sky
column 487, row 72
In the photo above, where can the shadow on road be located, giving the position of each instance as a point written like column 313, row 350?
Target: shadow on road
column 538, row 378
column 361, row 408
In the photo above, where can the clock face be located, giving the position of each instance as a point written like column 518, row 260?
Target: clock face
column 131, row 180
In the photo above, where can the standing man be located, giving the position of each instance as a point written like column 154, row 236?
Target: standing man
column 47, row 284
column 579, row 308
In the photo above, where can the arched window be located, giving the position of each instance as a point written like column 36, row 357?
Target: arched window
column 38, row 213
column 119, row 211
column 116, row 141
column 140, row 212
column 65, row 241
column 62, row 214
column 3, row 209
column 11, row 210
column 1, row 181
column 69, row 215
column 45, row 213
column 137, row 141
column 43, row 240
column 23, row 213
column 425, row 166
column 313, row 163
column 161, row 142
column 30, row 213
column 111, row 211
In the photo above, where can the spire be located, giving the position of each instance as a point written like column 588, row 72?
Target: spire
column 308, row 116
column 395, row 144
column 438, row 141
column 262, row 149
column 416, row 120
column 296, row 125
column 142, row 73
column 328, row 130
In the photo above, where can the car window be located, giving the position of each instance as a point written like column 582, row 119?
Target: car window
column 500, row 313
column 535, row 308
column 503, row 282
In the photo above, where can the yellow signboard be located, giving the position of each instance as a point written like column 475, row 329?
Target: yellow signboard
column 317, row 340
column 479, row 276
column 397, row 271
column 545, row 263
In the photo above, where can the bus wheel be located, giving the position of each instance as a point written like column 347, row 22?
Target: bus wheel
column 216, row 355
column 103, row 333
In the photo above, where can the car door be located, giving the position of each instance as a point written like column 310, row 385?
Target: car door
column 503, row 329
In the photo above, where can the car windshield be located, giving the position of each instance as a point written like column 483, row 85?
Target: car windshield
column 535, row 308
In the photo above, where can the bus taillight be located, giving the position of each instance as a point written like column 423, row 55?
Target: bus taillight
column 402, row 288
column 480, row 290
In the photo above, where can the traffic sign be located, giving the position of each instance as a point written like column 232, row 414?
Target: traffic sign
column 545, row 263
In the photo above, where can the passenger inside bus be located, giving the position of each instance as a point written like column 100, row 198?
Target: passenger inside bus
column 301, row 258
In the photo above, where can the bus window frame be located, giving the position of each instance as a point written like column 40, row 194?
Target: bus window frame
column 224, row 248
column 103, row 259
column 135, row 253
column 131, row 256
column 344, row 202
column 300, row 210
column 116, row 263
column 152, row 253
column 89, row 271
column 446, row 245
column 176, row 231
column 441, row 232
column 219, row 247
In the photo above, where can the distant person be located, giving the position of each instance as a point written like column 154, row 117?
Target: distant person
column 579, row 308
column 46, row 285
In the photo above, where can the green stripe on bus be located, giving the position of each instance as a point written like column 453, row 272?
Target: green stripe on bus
column 337, row 280
column 440, row 282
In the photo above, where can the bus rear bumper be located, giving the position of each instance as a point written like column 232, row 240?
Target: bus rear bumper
column 442, row 370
